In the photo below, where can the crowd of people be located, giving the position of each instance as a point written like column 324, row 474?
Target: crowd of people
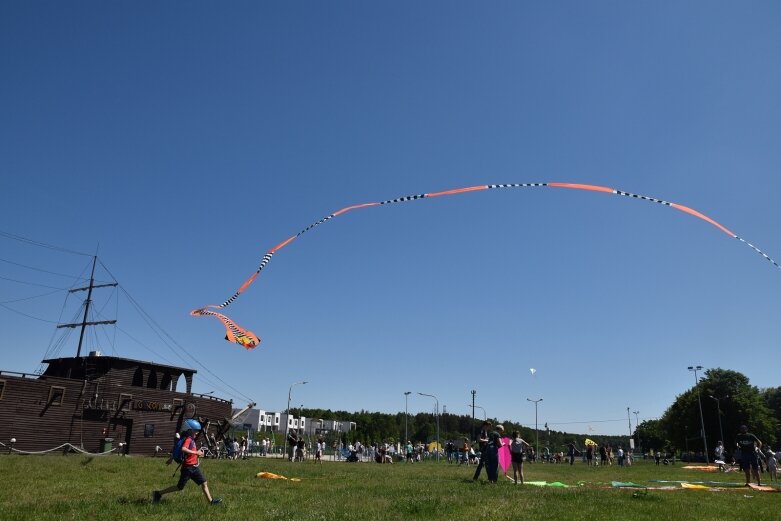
column 753, row 457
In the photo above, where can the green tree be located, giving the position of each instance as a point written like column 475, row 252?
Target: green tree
column 739, row 403
column 772, row 398
column 650, row 435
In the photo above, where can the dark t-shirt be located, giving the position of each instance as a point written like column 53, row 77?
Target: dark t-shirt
column 746, row 442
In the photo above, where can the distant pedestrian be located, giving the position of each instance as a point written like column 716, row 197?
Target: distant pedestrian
column 319, row 450
column 571, row 450
column 190, row 468
column 772, row 465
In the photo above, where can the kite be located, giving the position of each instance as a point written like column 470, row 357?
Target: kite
column 249, row 340
column 233, row 332
column 591, row 442
column 533, row 371
column 504, row 455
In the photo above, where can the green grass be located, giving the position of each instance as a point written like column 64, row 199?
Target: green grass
column 77, row 487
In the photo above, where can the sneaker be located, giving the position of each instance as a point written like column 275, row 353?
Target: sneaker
column 156, row 495
column 216, row 501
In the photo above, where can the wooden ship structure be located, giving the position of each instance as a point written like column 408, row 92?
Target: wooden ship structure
column 98, row 404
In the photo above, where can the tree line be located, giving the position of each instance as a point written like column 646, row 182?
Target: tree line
column 728, row 401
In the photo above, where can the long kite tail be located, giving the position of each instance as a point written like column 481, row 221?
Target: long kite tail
column 234, row 333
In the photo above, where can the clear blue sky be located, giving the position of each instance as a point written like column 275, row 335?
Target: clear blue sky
column 187, row 138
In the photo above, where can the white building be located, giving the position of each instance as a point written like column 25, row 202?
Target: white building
column 260, row 420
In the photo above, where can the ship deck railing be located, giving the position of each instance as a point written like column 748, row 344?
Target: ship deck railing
column 19, row 375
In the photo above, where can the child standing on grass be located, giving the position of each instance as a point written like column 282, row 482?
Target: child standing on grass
column 517, row 449
column 772, row 465
column 190, row 466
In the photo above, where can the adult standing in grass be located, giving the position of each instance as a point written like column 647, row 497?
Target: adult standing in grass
column 319, row 450
column 190, row 469
column 482, row 441
column 492, row 454
column 748, row 445
column 571, row 450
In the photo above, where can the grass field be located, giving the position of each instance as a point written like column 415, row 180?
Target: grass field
column 119, row 488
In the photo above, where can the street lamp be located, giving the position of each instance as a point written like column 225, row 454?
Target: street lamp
column 536, row 432
column 406, row 415
column 637, row 422
column 437, row 400
column 473, row 414
column 287, row 415
column 629, row 419
column 694, row 369
column 477, row 407
column 718, row 409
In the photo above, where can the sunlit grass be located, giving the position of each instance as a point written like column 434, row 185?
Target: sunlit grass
column 76, row 487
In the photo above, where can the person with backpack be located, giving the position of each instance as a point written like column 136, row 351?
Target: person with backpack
column 518, row 448
column 186, row 453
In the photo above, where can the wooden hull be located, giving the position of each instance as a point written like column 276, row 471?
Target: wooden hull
column 104, row 401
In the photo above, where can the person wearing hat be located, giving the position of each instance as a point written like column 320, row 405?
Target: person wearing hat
column 190, row 469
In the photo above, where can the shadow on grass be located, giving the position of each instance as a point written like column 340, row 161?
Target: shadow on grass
column 134, row 501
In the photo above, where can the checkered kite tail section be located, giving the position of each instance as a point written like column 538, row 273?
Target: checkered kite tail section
column 249, row 340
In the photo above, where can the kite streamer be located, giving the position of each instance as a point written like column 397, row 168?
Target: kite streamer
column 249, row 340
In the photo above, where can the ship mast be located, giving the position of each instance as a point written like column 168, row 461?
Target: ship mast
column 87, row 303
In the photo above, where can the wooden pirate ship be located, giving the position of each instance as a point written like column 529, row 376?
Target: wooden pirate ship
column 98, row 403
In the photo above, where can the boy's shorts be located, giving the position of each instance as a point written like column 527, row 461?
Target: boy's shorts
column 191, row 473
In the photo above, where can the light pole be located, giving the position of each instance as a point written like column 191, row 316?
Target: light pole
column 287, row 415
column 718, row 409
column 629, row 419
column 637, row 422
column 694, row 369
column 477, row 407
column 536, row 432
column 406, row 416
column 437, row 400
column 473, row 415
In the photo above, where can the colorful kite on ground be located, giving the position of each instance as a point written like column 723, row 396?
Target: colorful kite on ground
column 247, row 339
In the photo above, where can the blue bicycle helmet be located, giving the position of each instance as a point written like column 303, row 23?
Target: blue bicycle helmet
column 191, row 425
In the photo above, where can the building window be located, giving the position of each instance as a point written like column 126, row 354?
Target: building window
column 124, row 401
column 2, row 388
column 138, row 378
column 56, row 395
column 151, row 382
column 149, row 430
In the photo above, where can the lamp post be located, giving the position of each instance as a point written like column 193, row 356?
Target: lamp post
column 437, row 400
column 629, row 419
column 718, row 409
column 287, row 415
column 406, row 415
column 637, row 422
column 536, row 432
column 694, row 369
column 477, row 407
column 473, row 414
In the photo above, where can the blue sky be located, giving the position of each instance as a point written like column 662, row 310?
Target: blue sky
column 182, row 140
